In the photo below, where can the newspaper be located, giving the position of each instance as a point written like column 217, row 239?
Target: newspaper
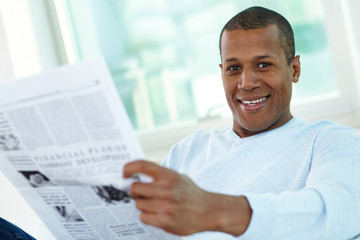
column 64, row 139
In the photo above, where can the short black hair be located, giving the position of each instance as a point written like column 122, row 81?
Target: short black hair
column 259, row 17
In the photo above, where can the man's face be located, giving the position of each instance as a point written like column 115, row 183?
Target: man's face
column 257, row 79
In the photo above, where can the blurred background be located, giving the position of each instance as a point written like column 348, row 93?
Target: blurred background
column 163, row 56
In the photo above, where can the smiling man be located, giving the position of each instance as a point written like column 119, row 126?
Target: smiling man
column 270, row 175
column 257, row 79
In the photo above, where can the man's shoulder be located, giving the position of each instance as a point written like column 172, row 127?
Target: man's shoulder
column 201, row 138
column 326, row 126
column 193, row 145
column 319, row 131
column 323, row 126
column 328, row 133
column 211, row 133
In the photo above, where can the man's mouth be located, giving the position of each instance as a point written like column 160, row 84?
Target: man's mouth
column 254, row 102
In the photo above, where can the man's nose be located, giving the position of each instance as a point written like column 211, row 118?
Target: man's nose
column 248, row 80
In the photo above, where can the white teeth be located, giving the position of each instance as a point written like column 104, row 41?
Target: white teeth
column 255, row 101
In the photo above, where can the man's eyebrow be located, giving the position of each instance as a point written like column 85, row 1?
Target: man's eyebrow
column 231, row 59
column 263, row 56
column 234, row 59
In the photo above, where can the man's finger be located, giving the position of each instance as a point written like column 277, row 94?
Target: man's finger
column 149, row 190
column 161, row 221
column 151, row 219
column 153, row 206
column 145, row 167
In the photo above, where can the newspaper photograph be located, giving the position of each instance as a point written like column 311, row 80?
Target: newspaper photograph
column 64, row 139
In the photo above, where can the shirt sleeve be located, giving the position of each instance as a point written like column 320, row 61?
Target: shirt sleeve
column 328, row 207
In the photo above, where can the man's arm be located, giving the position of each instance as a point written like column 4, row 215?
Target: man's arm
column 174, row 203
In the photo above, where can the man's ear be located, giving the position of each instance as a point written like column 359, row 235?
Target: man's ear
column 296, row 69
column 220, row 65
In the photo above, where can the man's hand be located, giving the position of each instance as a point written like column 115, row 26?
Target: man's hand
column 174, row 203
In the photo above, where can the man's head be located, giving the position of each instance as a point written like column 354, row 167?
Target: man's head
column 258, row 71
column 259, row 17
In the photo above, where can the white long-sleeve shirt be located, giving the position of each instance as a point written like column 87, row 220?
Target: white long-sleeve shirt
column 302, row 180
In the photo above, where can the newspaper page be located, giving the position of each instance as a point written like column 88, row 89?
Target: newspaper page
column 64, row 139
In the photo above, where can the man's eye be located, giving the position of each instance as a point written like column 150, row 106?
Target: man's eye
column 233, row 68
column 264, row 65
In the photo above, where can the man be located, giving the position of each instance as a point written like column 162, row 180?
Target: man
column 270, row 176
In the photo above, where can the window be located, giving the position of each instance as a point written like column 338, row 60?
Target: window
column 163, row 54
column 27, row 42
